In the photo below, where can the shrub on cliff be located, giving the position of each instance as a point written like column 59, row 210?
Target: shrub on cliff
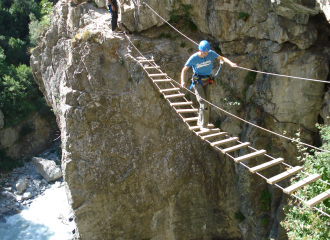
column 301, row 222
column 36, row 26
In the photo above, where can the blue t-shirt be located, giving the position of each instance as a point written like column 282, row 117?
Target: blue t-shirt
column 202, row 66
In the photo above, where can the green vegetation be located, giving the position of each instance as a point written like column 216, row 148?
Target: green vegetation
column 21, row 23
column 121, row 60
column 38, row 26
column 251, row 78
column 183, row 44
column 265, row 221
column 182, row 15
column 265, row 200
column 217, row 123
column 217, row 49
column 25, row 130
column 187, row 96
column 243, row 16
column 138, row 45
column 84, row 37
column 236, row 178
column 239, row 216
column 7, row 163
column 168, row 36
column 302, row 222
column 234, row 97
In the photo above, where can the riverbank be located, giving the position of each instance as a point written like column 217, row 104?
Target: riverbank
column 41, row 212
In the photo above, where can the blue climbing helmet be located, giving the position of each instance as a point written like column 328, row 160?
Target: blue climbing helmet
column 204, row 46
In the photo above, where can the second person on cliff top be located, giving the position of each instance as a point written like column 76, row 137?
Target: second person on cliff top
column 201, row 63
column 113, row 9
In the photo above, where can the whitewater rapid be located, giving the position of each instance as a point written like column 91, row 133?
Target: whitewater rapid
column 45, row 219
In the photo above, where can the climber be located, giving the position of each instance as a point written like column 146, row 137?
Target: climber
column 201, row 63
column 113, row 9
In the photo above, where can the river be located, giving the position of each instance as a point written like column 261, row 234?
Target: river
column 45, row 219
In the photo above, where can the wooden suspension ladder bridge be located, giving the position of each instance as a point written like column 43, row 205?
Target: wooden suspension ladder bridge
column 220, row 140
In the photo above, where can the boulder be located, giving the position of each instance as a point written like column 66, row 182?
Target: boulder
column 19, row 198
column 100, row 3
column 27, row 195
column 43, row 181
column 21, row 186
column 47, row 169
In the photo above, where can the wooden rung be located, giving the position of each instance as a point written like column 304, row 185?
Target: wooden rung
column 234, row 148
column 301, row 183
column 266, row 165
column 186, row 110
column 174, row 95
column 152, row 67
column 157, row 74
column 213, row 135
column 161, row 80
column 174, row 104
column 190, row 119
column 232, row 139
column 284, row 175
column 250, row 155
column 169, row 90
column 194, row 127
column 212, row 130
column 146, row 60
column 311, row 203
column 198, row 127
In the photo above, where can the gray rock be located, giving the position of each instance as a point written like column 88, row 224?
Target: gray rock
column 8, row 195
column 27, row 195
column 4, row 210
column 100, row 3
column 37, row 183
column 19, row 198
column 21, row 185
column 47, row 169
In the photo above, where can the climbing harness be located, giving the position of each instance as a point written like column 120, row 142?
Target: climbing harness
column 198, row 79
column 210, row 78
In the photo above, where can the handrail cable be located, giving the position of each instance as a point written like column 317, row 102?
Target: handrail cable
column 247, row 69
column 170, row 24
column 241, row 119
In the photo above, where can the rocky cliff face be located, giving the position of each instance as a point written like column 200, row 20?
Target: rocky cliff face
column 133, row 169
column 30, row 137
